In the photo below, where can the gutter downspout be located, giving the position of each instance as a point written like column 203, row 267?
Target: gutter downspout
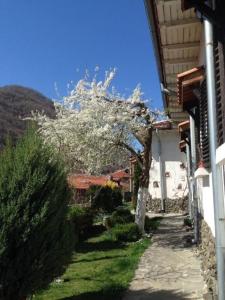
column 162, row 187
column 193, row 180
column 212, row 123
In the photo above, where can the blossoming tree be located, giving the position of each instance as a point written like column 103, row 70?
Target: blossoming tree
column 95, row 126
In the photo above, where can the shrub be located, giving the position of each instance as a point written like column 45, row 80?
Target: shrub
column 127, row 196
column 123, row 211
column 121, row 216
column 92, row 191
column 111, row 184
column 152, row 223
column 117, row 198
column 35, row 235
column 188, row 222
column 125, row 232
column 82, row 219
column 105, row 199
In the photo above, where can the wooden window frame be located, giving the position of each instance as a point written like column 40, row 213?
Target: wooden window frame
column 219, row 57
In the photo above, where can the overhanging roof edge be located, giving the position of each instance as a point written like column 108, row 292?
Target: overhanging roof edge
column 150, row 9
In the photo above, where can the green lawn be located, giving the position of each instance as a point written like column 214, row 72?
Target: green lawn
column 101, row 269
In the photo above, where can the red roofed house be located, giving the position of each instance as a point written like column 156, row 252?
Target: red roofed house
column 82, row 182
column 122, row 177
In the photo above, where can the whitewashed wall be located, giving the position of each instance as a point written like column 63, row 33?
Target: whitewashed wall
column 205, row 197
column 174, row 176
column 172, row 159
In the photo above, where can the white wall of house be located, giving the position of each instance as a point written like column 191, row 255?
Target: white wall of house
column 205, row 193
column 205, row 200
column 173, row 166
column 204, row 185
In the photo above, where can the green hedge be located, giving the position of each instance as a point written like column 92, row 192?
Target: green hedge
column 105, row 199
column 82, row 220
column 152, row 223
column 121, row 215
column 125, row 232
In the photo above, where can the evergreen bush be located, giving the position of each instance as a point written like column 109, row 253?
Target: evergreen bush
column 125, row 232
column 82, row 219
column 35, row 232
column 152, row 224
column 121, row 215
column 105, row 199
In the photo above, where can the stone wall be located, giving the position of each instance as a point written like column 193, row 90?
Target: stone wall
column 171, row 205
column 207, row 253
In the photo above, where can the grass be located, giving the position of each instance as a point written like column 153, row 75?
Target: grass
column 101, row 269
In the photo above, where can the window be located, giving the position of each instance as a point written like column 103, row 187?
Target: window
column 220, row 85
column 203, row 126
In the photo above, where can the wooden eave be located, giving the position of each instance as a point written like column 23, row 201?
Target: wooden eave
column 213, row 13
column 182, row 145
column 183, row 129
column 186, row 83
column 176, row 38
column 184, row 126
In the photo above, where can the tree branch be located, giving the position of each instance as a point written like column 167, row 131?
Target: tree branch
column 132, row 151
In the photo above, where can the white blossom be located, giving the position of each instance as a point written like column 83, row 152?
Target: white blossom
column 95, row 126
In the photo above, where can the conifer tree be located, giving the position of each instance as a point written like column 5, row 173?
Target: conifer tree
column 35, row 243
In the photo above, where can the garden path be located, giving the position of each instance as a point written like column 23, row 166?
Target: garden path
column 169, row 269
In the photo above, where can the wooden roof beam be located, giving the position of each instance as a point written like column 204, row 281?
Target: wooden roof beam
column 163, row 1
column 174, row 109
column 181, row 46
column 182, row 145
column 183, row 126
column 179, row 22
column 180, row 60
column 174, row 102
column 192, row 72
column 172, row 86
column 214, row 15
column 172, row 75
column 192, row 81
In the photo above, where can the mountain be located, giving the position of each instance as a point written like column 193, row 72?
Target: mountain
column 16, row 103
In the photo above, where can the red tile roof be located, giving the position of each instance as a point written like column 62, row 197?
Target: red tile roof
column 83, row 182
column 164, row 124
column 120, row 174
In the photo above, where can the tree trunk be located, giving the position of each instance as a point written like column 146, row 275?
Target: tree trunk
column 141, row 208
column 144, row 180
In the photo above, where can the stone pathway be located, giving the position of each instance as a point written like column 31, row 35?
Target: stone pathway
column 168, row 270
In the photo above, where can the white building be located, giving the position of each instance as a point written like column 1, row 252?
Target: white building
column 189, row 43
column 168, row 186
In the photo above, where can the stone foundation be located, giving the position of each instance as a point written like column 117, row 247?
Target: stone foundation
column 208, row 256
column 171, row 205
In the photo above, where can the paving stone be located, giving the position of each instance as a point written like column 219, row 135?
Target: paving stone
column 168, row 270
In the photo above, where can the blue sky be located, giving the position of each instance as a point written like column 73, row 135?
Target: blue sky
column 48, row 41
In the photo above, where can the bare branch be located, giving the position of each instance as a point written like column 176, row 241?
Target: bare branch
column 132, row 151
